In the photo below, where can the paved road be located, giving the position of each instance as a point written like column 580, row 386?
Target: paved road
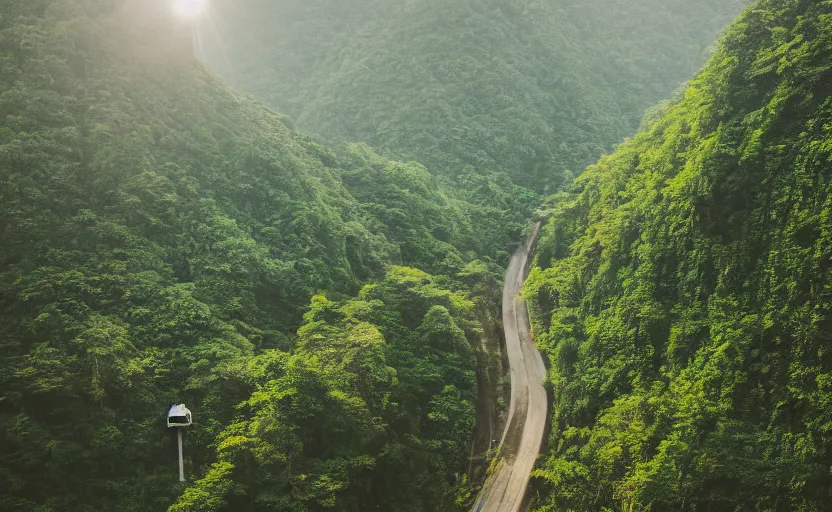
column 505, row 491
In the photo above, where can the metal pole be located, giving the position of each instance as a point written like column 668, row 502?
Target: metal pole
column 181, row 460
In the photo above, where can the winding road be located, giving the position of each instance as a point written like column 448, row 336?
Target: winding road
column 505, row 490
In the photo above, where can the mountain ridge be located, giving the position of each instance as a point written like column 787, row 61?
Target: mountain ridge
column 680, row 291
column 532, row 90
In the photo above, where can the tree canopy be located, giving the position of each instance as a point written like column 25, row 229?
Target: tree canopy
column 166, row 239
column 322, row 308
column 532, row 90
column 682, row 289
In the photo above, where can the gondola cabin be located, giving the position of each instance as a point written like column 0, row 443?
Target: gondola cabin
column 179, row 416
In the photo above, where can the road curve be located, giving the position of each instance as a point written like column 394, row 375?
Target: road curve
column 505, row 490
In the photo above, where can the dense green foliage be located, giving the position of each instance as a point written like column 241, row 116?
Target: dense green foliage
column 162, row 238
column 377, row 400
column 322, row 310
column 528, row 89
column 682, row 291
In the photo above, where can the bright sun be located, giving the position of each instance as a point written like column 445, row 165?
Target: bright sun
column 189, row 8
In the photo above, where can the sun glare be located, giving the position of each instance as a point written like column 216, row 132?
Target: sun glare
column 189, row 8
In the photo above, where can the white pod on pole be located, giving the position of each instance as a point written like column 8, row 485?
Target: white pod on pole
column 179, row 417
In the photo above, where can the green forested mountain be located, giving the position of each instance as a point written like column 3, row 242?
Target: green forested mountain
column 530, row 89
column 162, row 240
column 322, row 309
column 682, row 291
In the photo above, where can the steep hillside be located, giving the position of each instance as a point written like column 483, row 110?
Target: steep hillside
column 529, row 89
column 682, row 291
column 162, row 238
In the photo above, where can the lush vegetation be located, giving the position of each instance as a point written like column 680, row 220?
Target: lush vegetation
column 163, row 239
column 682, row 291
column 373, row 406
column 529, row 89
column 322, row 311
